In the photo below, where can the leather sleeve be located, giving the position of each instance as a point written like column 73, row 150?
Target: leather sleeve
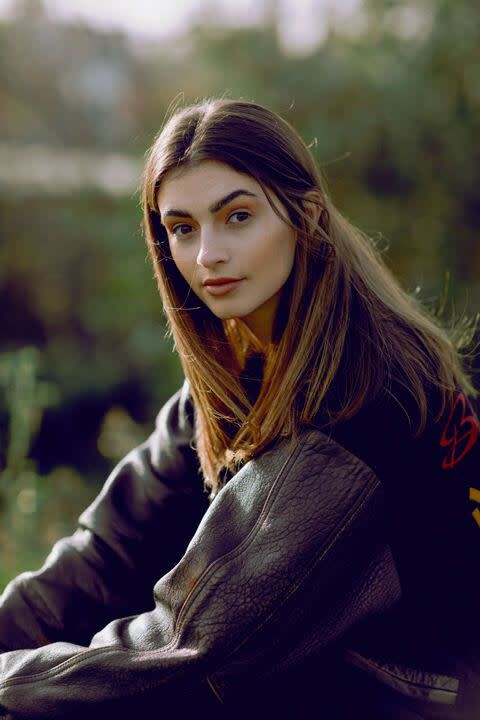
column 136, row 529
column 289, row 555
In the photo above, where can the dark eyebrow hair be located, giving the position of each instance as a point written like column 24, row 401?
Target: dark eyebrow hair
column 218, row 205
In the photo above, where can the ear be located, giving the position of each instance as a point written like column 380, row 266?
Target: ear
column 313, row 205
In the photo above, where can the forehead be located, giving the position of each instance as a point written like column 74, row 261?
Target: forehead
column 202, row 183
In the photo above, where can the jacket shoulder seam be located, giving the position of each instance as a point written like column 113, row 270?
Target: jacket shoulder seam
column 337, row 533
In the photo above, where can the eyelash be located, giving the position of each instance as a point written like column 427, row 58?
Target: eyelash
column 237, row 212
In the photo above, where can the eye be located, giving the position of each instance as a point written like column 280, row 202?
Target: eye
column 243, row 213
column 177, row 227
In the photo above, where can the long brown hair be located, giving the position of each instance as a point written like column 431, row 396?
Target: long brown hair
column 343, row 320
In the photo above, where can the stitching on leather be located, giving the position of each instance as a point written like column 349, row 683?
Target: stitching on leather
column 373, row 487
column 238, row 549
column 87, row 653
column 65, row 664
column 402, row 678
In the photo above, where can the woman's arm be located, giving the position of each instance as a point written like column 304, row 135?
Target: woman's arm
column 290, row 554
column 136, row 529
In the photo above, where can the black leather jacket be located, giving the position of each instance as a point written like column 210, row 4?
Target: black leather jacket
column 285, row 596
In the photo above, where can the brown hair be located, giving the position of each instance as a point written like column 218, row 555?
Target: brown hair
column 343, row 320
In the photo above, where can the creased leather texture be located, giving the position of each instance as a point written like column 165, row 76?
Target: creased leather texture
column 289, row 555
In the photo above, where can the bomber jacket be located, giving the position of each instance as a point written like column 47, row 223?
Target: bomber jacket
column 338, row 580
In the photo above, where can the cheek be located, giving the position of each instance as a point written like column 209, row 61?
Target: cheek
column 273, row 242
column 182, row 261
column 274, row 259
column 282, row 249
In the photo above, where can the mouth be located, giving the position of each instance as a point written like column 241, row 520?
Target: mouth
column 222, row 288
column 220, row 281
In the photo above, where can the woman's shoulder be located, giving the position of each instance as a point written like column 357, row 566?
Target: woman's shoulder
column 383, row 432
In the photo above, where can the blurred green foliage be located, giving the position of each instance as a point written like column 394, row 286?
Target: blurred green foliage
column 392, row 113
column 26, row 499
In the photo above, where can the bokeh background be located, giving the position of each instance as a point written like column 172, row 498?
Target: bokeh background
column 386, row 92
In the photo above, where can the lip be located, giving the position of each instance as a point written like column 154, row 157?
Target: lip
column 222, row 288
column 220, row 281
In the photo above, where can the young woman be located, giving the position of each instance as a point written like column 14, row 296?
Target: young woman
column 302, row 528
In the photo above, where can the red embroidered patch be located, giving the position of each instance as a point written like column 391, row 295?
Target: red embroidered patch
column 460, row 432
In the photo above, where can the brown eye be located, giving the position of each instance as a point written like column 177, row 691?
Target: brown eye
column 177, row 227
column 244, row 215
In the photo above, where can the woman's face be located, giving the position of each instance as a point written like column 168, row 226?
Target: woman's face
column 220, row 224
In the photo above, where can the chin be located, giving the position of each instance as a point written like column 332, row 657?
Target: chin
column 223, row 315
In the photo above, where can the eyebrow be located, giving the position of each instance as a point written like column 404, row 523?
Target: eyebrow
column 218, row 205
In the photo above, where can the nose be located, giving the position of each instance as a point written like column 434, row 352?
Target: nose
column 212, row 249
